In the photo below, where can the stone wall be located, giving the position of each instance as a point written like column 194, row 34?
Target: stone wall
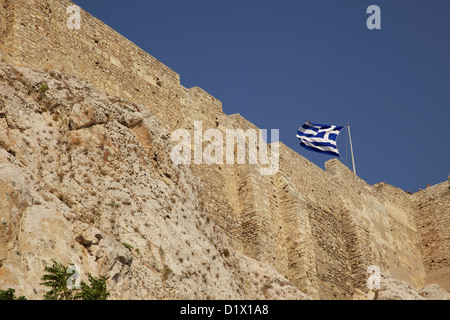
column 320, row 229
column 433, row 223
column 95, row 53
column 7, row 22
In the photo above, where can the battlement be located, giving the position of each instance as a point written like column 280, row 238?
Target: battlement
column 321, row 229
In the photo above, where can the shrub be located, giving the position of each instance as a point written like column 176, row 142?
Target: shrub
column 10, row 295
column 114, row 205
column 167, row 272
column 56, row 278
column 128, row 246
column 96, row 290
column 44, row 87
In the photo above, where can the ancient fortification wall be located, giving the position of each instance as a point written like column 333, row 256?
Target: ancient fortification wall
column 321, row 229
column 433, row 224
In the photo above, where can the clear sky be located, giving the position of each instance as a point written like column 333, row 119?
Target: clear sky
column 279, row 63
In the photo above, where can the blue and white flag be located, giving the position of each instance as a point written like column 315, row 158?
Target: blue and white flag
column 320, row 138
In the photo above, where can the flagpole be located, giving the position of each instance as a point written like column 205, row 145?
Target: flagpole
column 351, row 147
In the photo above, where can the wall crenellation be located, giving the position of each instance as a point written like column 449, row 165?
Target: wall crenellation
column 320, row 229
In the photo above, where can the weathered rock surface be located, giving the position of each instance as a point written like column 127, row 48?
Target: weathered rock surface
column 86, row 179
column 394, row 289
column 434, row 292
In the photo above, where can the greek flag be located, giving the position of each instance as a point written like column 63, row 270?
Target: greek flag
column 319, row 137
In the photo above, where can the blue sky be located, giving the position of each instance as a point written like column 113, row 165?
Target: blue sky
column 279, row 63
